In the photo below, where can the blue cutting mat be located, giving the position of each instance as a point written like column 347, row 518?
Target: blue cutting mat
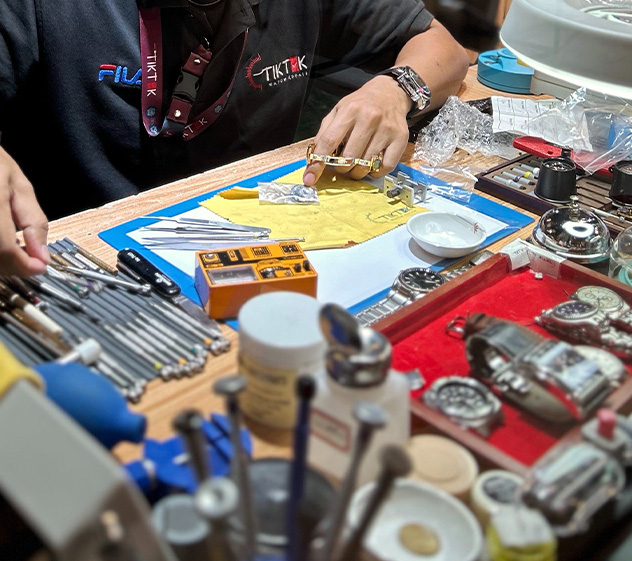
column 119, row 238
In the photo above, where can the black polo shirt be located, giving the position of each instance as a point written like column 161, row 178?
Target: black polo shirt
column 70, row 85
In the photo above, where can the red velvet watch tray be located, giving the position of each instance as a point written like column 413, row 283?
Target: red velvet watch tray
column 419, row 338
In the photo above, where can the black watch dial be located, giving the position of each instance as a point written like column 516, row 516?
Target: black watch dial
column 574, row 310
column 419, row 279
column 462, row 401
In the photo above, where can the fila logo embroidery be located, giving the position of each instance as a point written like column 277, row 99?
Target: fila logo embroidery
column 120, row 74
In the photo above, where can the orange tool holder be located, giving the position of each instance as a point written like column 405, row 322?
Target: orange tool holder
column 226, row 278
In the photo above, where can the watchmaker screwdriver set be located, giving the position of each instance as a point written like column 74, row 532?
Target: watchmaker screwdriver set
column 130, row 324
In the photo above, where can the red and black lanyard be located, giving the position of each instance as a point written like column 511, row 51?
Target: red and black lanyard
column 178, row 120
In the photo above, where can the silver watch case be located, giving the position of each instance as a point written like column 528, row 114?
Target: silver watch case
column 414, row 87
column 484, row 412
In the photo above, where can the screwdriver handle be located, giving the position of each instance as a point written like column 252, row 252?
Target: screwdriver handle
column 148, row 272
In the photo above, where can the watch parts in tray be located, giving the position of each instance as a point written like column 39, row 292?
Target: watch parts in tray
column 551, row 379
column 516, row 182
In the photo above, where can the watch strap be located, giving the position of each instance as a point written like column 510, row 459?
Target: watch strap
column 413, row 85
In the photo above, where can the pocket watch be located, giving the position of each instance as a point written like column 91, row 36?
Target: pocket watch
column 465, row 401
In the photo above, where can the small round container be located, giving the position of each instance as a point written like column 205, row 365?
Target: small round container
column 446, row 234
column 418, row 521
column 492, row 490
column 279, row 339
column 444, row 463
column 269, row 478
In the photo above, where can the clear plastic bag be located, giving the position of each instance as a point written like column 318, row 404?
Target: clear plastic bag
column 287, row 194
column 460, row 125
column 596, row 127
column 451, row 181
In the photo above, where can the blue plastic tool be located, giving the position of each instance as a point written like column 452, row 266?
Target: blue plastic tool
column 164, row 469
column 93, row 402
column 499, row 69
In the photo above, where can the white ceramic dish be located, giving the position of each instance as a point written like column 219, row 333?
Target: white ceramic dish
column 446, row 234
column 414, row 502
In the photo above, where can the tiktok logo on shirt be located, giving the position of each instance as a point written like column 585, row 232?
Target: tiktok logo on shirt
column 119, row 74
column 276, row 74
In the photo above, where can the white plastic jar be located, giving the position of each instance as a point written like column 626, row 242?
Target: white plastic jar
column 279, row 339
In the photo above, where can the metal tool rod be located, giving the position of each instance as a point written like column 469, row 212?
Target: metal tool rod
column 137, row 369
column 370, row 417
column 25, row 349
column 216, row 500
column 53, row 291
column 305, row 391
column 106, row 279
column 395, row 463
column 230, row 387
column 189, row 424
column 93, row 258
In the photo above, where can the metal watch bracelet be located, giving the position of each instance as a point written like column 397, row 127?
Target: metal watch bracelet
column 395, row 300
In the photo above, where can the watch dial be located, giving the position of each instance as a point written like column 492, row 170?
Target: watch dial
column 574, row 310
column 419, row 279
column 463, row 401
column 603, row 298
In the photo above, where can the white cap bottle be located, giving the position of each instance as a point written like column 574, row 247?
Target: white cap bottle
column 358, row 368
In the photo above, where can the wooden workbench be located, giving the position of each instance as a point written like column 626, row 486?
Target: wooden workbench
column 163, row 400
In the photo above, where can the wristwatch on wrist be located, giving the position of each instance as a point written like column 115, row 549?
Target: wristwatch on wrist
column 465, row 401
column 410, row 285
column 413, row 85
column 585, row 323
column 608, row 301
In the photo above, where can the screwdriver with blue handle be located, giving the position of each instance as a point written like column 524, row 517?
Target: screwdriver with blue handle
column 140, row 268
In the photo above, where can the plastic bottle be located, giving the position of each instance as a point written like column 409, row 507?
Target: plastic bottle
column 279, row 339
column 357, row 369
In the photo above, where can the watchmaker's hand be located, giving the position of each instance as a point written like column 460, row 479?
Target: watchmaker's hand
column 370, row 121
column 19, row 210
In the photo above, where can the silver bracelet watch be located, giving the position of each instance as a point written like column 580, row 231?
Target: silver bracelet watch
column 412, row 284
column 585, row 323
column 608, row 301
column 466, row 402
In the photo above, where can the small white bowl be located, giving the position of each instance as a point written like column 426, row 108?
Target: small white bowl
column 446, row 234
column 413, row 502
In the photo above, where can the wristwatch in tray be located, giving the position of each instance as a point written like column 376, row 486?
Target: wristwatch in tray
column 413, row 85
column 585, row 323
column 548, row 378
column 608, row 301
column 411, row 284
column 465, row 401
